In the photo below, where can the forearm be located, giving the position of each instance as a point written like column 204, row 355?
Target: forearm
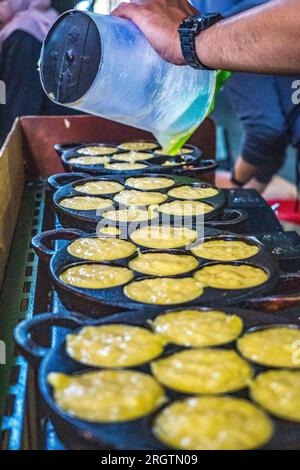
column 264, row 39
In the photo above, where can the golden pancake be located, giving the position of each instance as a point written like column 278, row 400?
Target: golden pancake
column 138, row 146
column 164, row 290
column 130, row 215
column 96, row 150
column 132, row 156
column 278, row 391
column 107, row 396
column 110, row 231
column 114, row 346
column 132, row 197
column 198, row 328
column 192, row 192
column 99, row 187
column 163, row 264
column 185, row 208
column 229, row 276
column 225, row 250
column 95, row 276
column 182, row 151
column 89, row 160
column 163, row 237
column 203, row 371
column 213, row 423
column 125, row 166
column 85, row 203
column 274, row 346
column 101, row 249
column 150, row 183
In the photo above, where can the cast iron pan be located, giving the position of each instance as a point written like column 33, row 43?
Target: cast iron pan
column 65, row 184
column 286, row 295
column 136, row 434
column 184, row 164
column 61, row 148
column 102, row 302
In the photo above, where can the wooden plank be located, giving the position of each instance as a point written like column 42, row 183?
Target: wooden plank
column 12, row 180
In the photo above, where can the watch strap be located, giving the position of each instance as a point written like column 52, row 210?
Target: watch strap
column 189, row 30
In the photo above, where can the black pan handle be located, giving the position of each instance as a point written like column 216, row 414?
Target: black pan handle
column 43, row 242
column 205, row 166
column 32, row 351
column 61, row 179
column 230, row 218
column 61, row 148
column 285, row 295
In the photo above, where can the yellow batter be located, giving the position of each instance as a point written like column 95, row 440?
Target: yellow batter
column 225, row 250
column 113, row 231
column 163, row 237
column 132, row 197
column 114, row 346
column 130, row 215
column 185, row 208
column 229, row 276
column 107, row 396
column 101, row 249
column 95, row 276
column 183, row 151
column 132, row 156
column 99, row 187
column 192, row 192
column 125, row 166
column 150, row 183
column 89, row 160
column 274, row 346
column 163, row 264
column 198, row 328
column 279, row 393
column 96, row 150
column 213, row 423
column 138, row 146
column 203, row 371
column 164, row 291
column 85, row 203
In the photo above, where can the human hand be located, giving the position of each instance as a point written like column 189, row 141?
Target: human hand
column 159, row 21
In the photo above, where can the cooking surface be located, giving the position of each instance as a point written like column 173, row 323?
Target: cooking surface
column 275, row 240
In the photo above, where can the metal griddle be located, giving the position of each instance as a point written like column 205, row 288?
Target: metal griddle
column 136, row 434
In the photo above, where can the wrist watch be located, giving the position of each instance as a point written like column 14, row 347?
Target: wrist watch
column 189, row 30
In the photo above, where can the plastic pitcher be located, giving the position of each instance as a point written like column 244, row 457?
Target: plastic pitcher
column 104, row 66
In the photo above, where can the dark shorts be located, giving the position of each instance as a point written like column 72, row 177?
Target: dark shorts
column 269, row 118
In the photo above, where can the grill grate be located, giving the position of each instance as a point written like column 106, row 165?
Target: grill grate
column 18, row 303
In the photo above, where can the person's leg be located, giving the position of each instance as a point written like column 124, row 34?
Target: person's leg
column 18, row 69
column 255, row 100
